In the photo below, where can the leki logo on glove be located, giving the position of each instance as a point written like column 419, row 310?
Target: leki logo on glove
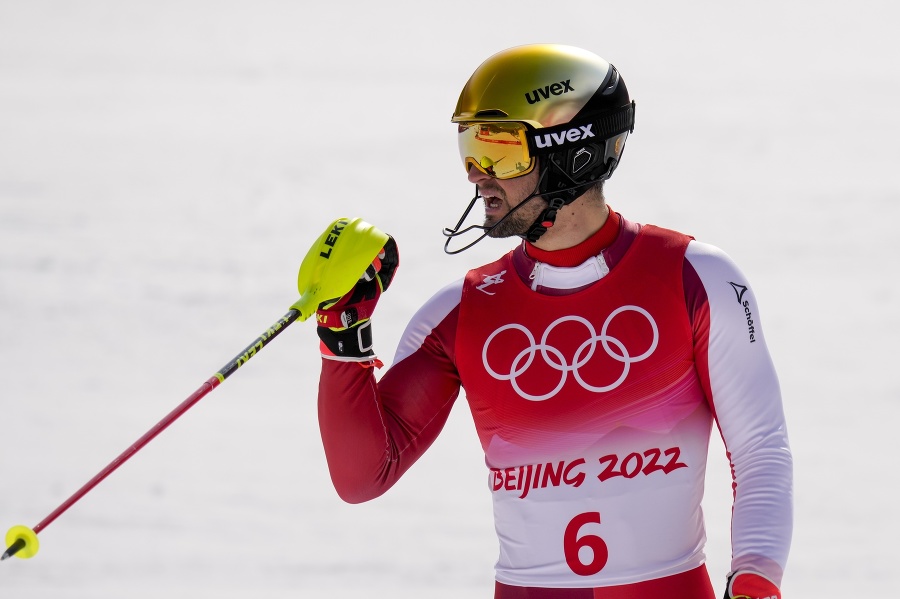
column 554, row 358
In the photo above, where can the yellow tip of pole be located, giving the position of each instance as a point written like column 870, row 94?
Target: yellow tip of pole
column 25, row 535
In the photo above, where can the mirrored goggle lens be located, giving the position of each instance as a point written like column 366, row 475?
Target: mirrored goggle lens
column 498, row 149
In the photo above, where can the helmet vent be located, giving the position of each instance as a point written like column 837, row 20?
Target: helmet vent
column 490, row 114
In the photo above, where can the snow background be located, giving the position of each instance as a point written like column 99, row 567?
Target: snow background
column 164, row 166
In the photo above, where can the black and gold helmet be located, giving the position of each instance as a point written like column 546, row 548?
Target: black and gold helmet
column 565, row 106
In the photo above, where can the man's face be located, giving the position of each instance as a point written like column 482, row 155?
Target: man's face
column 502, row 195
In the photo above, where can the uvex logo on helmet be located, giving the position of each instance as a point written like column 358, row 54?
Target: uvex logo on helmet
column 558, row 138
column 556, row 89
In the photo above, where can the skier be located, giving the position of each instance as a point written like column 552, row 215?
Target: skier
column 595, row 358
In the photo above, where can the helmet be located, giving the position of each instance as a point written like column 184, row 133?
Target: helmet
column 573, row 109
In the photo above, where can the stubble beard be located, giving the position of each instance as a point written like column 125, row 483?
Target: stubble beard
column 515, row 224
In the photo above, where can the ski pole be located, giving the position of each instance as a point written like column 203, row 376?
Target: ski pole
column 22, row 541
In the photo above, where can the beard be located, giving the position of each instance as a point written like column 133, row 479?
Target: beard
column 517, row 220
column 516, row 224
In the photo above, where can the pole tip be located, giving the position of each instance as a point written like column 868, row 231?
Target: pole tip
column 22, row 542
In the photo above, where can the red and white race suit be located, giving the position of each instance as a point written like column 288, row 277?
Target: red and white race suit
column 593, row 388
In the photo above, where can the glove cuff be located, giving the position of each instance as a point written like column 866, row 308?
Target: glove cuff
column 750, row 585
column 347, row 345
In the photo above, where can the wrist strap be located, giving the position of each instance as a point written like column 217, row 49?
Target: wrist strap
column 352, row 345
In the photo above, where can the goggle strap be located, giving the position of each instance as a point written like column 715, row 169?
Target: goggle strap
column 581, row 131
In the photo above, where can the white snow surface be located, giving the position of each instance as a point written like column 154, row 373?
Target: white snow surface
column 165, row 165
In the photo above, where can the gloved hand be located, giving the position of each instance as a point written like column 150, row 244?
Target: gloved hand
column 749, row 585
column 344, row 326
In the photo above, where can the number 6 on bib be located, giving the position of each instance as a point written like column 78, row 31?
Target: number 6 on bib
column 572, row 545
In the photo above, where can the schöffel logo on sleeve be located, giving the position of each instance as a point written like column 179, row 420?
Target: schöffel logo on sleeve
column 739, row 291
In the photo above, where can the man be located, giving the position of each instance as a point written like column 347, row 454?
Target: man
column 595, row 358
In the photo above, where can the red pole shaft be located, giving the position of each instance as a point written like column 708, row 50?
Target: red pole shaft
column 160, row 426
column 213, row 382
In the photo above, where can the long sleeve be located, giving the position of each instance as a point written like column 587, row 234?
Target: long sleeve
column 374, row 431
column 742, row 386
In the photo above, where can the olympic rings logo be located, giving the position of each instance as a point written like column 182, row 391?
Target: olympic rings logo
column 554, row 358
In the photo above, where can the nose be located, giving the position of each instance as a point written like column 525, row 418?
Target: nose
column 476, row 175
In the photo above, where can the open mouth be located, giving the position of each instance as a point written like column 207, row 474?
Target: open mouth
column 492, row 202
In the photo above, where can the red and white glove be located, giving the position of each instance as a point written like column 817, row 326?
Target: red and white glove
column 344, row 327
column 749, row 585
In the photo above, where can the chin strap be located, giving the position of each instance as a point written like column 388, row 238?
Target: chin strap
column 544, row 221
column 452, row 233
column 568, row 190
column 567, row 194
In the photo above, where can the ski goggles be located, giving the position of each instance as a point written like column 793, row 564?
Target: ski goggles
column 498, row 149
